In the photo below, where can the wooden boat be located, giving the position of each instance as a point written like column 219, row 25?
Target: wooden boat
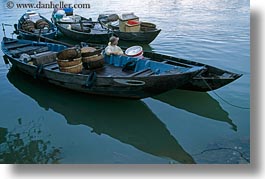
column 210, row 79
column 145, row 78
column 82, row 29
column 147, row 33
column 31, row 25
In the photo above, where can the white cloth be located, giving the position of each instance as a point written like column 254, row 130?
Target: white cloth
column 110, row 49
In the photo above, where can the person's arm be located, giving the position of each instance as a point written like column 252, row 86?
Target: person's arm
column 108, row 51
column 120, row 51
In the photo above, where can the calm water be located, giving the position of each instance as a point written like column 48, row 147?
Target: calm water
column 40, row 123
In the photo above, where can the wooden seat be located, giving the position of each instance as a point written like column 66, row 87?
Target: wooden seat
column 43, row 58
column 139, row 72
column 17, row 45
column 28, row 50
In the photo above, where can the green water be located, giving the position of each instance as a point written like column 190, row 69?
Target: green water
column 41, row 123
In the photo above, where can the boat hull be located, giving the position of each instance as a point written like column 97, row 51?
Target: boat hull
column 147, row 79
column 145, row 36
column 140, row 37
column 211, row 79
column 205, row 84
column 108, row 86
column 102, row 38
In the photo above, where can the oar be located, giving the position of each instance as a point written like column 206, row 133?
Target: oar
column 49, row 39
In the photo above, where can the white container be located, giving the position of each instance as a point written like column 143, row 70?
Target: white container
column 135, row 51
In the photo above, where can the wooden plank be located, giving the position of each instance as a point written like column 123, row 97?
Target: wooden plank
column 43, row 54
column 14, row 46
column 10, row 41
column 18, row 52
column 171, row 62
column 50, row 65
column 110, row 70
column 43, row 58
column 149, row 74
column 23, row 49
column 96, row 52
column 139, row 72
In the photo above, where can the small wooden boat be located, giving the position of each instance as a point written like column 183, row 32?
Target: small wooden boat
column 81, row 29
column 31, row 25
column 121, row 76
column 145, row 33
column 210, row 79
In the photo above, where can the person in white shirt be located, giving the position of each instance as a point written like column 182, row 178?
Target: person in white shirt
column 113, row 48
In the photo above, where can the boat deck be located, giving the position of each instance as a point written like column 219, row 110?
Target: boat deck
column 106, row 71
column 97, row 30
column 16, row 49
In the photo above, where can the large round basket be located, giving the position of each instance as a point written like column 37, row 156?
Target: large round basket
column 87, row 51
column 69, row 63
column 73, row 69
column 69, row 53
column 28, row 25
column 147, row 26
column 41, row 23
column 96, row 61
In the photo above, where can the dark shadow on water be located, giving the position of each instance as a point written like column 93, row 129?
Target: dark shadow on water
column 129, row 121
column 199, row 103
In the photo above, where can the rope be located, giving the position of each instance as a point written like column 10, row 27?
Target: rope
column 38, row 71
column 227, row 102
column 91, row 79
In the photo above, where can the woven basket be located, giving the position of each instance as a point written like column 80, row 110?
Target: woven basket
column 73, row 69
column 69, row 63
column 41, row 23
column 87, row 51
column 96, row 61
column 147, row 26
column 28, row 25
column 69, row 53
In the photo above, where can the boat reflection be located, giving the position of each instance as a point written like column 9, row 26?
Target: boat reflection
column 129, row 121
column 199, row 103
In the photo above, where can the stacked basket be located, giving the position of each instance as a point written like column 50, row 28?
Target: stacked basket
column 92, row 58
column 30, row 26
column 70, row 60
